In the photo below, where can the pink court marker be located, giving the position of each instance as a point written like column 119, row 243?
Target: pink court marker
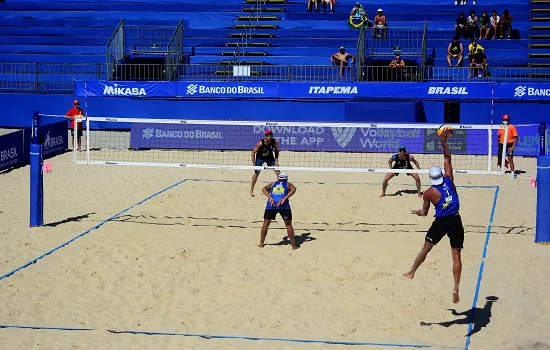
column 47, row 167
column 533, row 182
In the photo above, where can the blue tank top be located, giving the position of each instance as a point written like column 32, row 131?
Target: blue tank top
column 278, row 191
column 448, row 203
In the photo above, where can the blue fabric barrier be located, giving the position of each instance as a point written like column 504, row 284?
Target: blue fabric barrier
column 12, row 150
column 542, row 235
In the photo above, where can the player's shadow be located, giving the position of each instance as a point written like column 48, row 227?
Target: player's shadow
column 518, row 172
column 67, row 220
column 300, row 239
column 480, row 317
column 402, row 192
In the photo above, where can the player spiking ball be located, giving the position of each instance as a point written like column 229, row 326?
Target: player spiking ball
column 266, row 151
column 442, row 194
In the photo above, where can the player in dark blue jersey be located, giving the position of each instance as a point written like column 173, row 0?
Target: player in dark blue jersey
column 277, row 194
column 402, row 160
column 447, row 221
column 266, row 151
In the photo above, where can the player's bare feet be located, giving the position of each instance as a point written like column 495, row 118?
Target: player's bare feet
column 456, row 297
column 382, row 195
column 261, row 245
column 419, row 195
column 251, row 193
column 409, row 275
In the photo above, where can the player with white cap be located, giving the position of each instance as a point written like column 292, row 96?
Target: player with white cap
column 442, row 194
column 277, row 194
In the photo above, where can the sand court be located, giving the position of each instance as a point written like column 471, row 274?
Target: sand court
column 185, row 261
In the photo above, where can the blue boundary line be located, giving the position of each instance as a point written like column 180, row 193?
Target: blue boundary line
column 481, row 266
column 89, row 230
column 46, row 328
column 332, row 342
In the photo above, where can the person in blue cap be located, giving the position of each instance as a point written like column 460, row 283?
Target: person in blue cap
column 402, row 160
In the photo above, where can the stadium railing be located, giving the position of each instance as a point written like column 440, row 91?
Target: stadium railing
column 60, row 77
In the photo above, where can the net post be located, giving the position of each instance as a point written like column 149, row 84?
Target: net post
column 490, row 150
column 87, row 141
column 542, row 235
column 75, row 138
column 36, row 176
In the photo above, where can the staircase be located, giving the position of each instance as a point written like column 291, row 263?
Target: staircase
column 539, row 36
column 251, row 35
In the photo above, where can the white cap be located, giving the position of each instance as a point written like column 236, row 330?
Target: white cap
column 436, row 175
column 380, row 10
column 283, row 176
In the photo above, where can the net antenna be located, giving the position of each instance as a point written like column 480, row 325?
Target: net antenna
column 304, row 146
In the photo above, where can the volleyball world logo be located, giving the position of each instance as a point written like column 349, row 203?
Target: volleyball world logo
column 343, row 135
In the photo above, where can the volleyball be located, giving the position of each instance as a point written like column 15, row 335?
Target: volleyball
column 445, row 129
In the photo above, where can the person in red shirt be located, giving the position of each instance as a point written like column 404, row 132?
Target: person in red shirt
column 510, row 144
column 73, row 112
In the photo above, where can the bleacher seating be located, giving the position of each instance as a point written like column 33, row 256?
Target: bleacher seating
column 76, row 31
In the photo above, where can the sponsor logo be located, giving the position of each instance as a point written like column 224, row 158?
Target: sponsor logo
column 53, row 142
column 115, row 90
column 8, row 154
column 519, row 91
column 193, row 89
column 440, row 90
column 148, row 133
column 333, row 90
column 343, row 135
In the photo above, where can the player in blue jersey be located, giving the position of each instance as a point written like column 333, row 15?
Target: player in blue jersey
column 277, row 194
column 447, row 221
column 266, row 151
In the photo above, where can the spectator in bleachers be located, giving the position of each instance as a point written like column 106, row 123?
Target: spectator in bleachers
column 473, row 26
column 463, row 2
column 478, row 65
column 461, row 27
column 380, row 25
column 358, row 10
column 341, row 58
column 495, row 23
column 455, row 50
column 484, row 23
column 396, row 66
column 473, row 49
column 506, row 25
column 312, row 2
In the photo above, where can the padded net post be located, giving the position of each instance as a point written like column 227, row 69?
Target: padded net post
column 36, row 176
column 304, row 146
column 543, row 190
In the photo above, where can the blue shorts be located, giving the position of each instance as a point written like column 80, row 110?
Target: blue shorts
column 270, row 162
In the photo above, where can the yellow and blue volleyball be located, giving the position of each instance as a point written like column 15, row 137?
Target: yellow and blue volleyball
column 445, row 129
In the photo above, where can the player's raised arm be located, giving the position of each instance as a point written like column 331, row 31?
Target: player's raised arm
column 447, row 155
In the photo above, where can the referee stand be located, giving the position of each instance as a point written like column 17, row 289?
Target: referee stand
column 543, row 190
column 36, row 176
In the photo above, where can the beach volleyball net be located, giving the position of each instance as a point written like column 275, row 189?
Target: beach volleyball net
column 307, row 146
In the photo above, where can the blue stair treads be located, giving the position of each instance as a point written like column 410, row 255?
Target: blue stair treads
column 52, row 58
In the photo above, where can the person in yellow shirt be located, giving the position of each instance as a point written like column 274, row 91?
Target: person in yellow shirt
column 474, row 48
column 511, row 143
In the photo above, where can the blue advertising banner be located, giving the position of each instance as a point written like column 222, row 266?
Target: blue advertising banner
column 284, row 90
column 12, row 150
column 522, row 92
column 55, row 138
column 301, row 138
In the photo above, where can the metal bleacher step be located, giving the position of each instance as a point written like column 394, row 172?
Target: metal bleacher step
column 539, row 46
column 538, row 55
column 539, row 28
column 255, row 26
column 538, row 65
column 258, row 18
column 539, row 36
column 244, row 53
column 540, row 19
column 241, row 63
column 267, row 2
column 248, row 44
column 540, row 10
column 252, row 36
column 267, row 9
column 538, row 76
column 231, row 72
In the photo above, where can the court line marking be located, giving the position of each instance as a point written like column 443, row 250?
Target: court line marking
column 4, row 326
column 89, row 230
column 481, row 266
